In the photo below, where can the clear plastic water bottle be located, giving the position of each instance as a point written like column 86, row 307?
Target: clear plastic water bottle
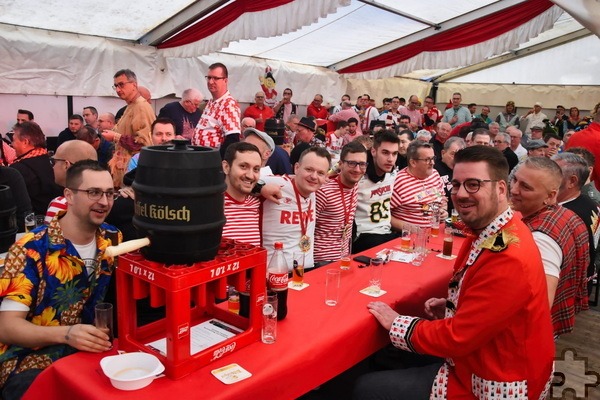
column 277, row 279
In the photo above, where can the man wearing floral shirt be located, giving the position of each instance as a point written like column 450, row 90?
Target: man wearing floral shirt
column 493, row 332
column 53, row 278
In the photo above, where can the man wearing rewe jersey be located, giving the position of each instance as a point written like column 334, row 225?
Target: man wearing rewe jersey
column 292, row 221
column 336, row 205
column 373, row 218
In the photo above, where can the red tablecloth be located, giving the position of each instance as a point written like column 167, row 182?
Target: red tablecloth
column 314, row 343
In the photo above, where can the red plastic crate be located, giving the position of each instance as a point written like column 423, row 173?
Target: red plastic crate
column 189, row 294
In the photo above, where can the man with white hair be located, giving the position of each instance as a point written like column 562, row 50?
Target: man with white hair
column 423, row 136
column 515, row 142
column 184, row 113
column 502, row 143
column 494, row 128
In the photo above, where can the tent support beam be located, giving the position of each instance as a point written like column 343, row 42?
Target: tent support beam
column 513, row 55
column 402, row 14
column 415, row 37
column 181, row 20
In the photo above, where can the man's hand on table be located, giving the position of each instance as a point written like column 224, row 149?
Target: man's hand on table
column 86, row 337
column 435, row 308
column 384, row 313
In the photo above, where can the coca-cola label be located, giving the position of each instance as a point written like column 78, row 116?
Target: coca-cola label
column 278, row 281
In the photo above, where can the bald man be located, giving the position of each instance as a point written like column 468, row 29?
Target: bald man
column 259, row 111
column 66, row 155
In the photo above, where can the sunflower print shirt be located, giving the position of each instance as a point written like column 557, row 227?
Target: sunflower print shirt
column 44, row 272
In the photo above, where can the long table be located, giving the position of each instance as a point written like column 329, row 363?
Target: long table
column 315, row 342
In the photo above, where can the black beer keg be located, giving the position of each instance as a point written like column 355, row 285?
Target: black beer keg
column 8, row 218
column 179, row 202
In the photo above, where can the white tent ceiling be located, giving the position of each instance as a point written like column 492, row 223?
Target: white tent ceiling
column 333, row 34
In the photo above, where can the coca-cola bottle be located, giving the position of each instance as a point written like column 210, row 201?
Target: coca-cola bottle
column 277, row 279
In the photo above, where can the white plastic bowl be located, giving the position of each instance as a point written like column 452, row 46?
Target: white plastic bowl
column 131, row 371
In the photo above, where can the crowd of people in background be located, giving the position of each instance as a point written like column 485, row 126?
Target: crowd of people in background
column 340, row 179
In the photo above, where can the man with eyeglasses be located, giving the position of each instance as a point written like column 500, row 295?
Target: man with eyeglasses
column 66, row 155
column 219, row 125
column 259, row 111
column 457, row 114
column 418, row 189
column 493, row 330
column 502, row 143
column 373, row 219
column 133, row 131
column 184, row 113
column 292, row 220
column 336, row 205
column 284, row 108
column 53, row 278
column 33, row 163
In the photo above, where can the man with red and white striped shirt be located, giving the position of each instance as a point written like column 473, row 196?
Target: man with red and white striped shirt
column 417, row 188
column 66, row 155
column 336, row 205
column 241, row 165
column 219, row 125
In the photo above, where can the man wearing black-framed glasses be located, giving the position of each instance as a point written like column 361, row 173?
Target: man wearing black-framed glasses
column 219, row 125
column 55, row 276
column 418, row 189
column 498, row 281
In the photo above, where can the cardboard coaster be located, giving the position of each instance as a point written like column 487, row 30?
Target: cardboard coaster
column 231, row 373
column 369, row 292
column 452, row 257
column 293, row 287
